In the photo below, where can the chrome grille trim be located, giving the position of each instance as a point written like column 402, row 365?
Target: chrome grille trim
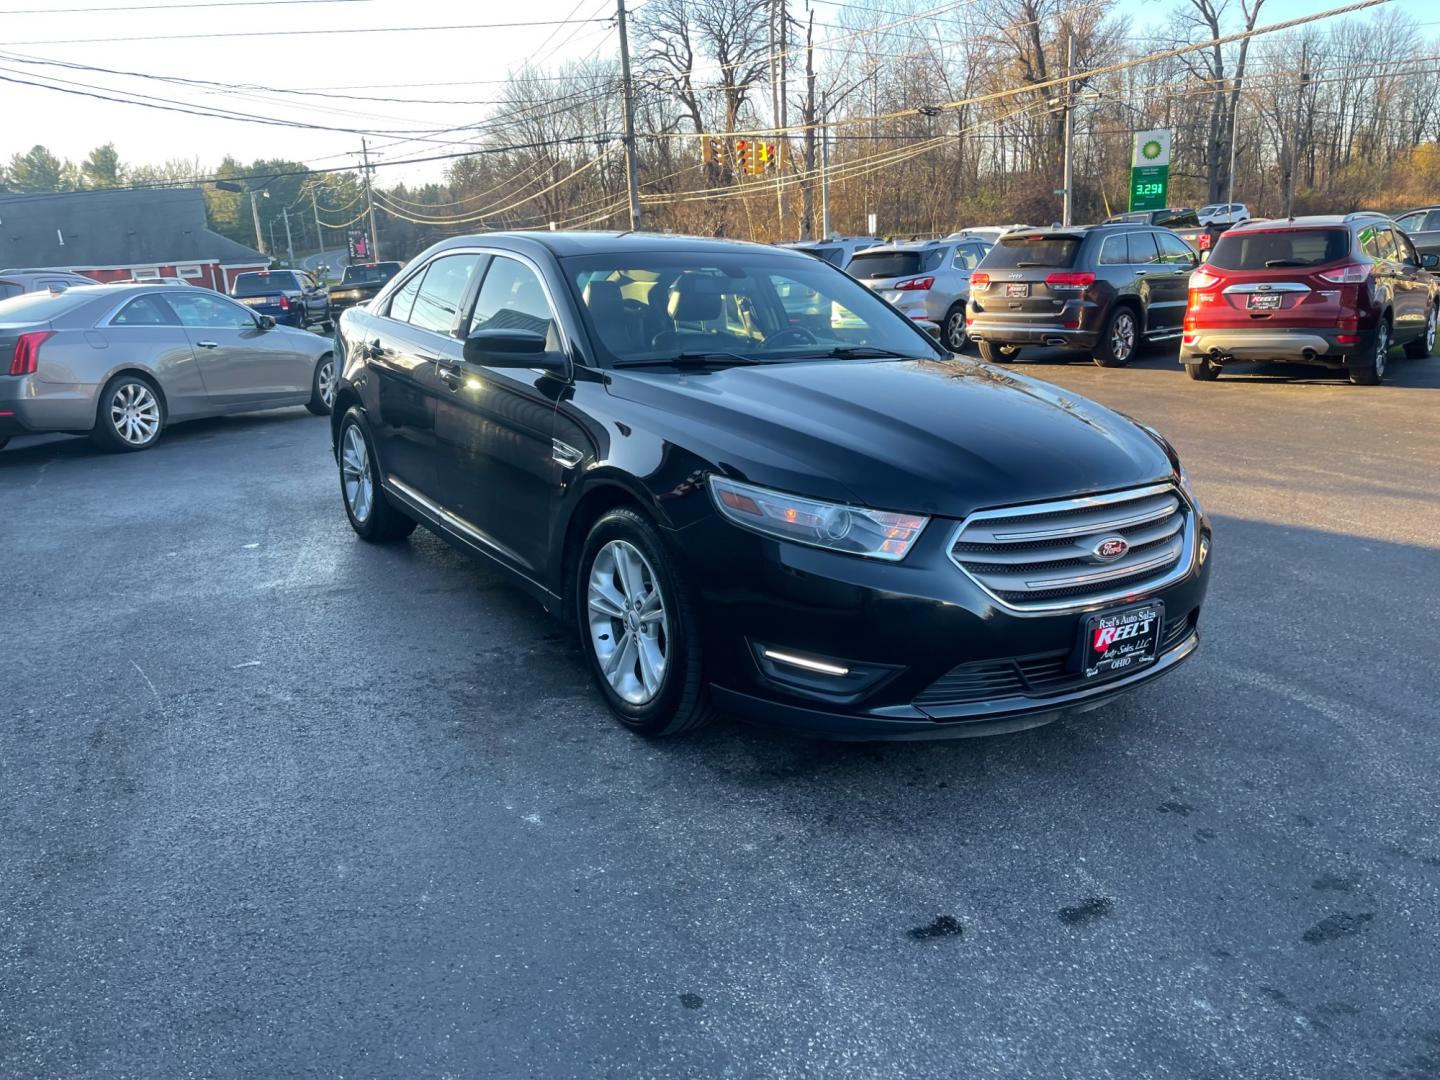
column 1046, row 549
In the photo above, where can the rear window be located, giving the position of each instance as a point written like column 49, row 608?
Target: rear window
column 261, row 284
column 891, row 264
column 369, row 275
column 1180, row 219
column 1272, row 250
column 1018, row 251
column 41, row 306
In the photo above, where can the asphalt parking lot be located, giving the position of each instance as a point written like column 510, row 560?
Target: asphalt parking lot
column 278, row 803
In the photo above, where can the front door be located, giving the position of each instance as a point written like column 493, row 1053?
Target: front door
column 495, row 427
column 1171, row 285
column 240, row 363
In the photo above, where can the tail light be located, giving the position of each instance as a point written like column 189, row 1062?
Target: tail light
column 1069, row 280
column 1203, row 241
column 26, row 356
column 1347, row 274
column 979, row 281
column 1204, row 278
column 914, row 284
column 284, row 303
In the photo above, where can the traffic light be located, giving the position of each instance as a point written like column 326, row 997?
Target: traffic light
column 745, row 156
column 712, row 150
column 764, row 157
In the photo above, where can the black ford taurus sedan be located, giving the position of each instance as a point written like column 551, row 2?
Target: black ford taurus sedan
column 752, row 486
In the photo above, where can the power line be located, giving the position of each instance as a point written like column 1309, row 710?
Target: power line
column 299, row 33
column 173, row 7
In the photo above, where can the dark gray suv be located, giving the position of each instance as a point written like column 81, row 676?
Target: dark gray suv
column 1107, row 289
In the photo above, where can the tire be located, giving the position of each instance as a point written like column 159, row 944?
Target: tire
column 1120, row 338
column 322, row 386
column 998, row 354
column 129, row 416
column 373, row 517
column 1205, row 371
column 952, row 330
column 1369, row 370
column 1424, row 345
column 649, row 617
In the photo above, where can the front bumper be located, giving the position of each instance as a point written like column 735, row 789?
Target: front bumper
column 1288, row 346
column 903, row 627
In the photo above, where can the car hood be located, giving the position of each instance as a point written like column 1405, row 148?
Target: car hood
column 925, row 436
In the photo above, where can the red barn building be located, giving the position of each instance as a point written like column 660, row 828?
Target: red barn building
column 116, row 235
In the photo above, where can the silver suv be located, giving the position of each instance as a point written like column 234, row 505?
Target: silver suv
column 837, row 250
column 19, row 282
column 928, row 280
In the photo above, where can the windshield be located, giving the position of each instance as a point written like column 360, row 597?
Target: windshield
column 1017, row 251
column 261, row 284
column 653, row 307
column 888, row 264
column 41, row 306
column 368, row 275
column 1273, row 250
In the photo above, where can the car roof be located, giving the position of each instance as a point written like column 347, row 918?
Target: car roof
column 904, row 245
column 1312, row 221
column 565, row 244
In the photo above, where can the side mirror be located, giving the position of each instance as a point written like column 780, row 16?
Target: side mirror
column 1429, row 261
column 511, row 349
column 267, row 322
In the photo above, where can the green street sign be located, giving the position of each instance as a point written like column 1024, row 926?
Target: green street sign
column 1149, row 186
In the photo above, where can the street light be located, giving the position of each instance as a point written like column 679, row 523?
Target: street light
column 229, row 185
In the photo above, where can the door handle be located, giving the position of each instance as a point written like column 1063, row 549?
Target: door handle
column 1141, row 273
column 208, row 344
column 449, row 372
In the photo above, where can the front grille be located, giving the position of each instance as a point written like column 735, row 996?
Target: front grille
column 1043, row 557
column 1041, row 675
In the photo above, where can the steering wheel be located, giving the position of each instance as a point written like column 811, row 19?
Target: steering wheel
column 802, row 336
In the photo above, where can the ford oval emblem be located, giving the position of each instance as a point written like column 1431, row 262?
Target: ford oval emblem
column 1111, row 548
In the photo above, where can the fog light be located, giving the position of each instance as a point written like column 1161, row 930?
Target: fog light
column 1204, row 547
column 827, row 678
column 818, row 666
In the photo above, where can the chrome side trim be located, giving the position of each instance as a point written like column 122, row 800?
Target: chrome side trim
column 454, row 522
column 565, row 454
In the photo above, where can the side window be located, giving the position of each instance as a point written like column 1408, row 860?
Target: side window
column 56, row 284
column 512, row 298
column 437, row 305
column 211, row 312
column 1174, row 250
column 1411, row 222
column 1389, row 245
column 1370, row 242
column 404, row 299
column 1142, row 249
column 1114, row 252
column 1407, row 251
column 1432, row 222
column 145, row 311
column 967, row 257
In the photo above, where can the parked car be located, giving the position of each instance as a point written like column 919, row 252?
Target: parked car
column 830, row 527
column 161, row 279
column 18, row 282
column 1172, row 217
column 1333, row 291
column 290, row 297
column 1107, row 289
column 989, row 234
column 1223, row 214
column 359, row 283
column 928, row 280
column 837, row 250
column 120, row 363
column 1422, row 226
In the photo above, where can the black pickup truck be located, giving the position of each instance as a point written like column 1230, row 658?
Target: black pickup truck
column 359, row 283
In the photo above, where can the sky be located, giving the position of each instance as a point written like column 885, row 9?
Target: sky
column 471, row 62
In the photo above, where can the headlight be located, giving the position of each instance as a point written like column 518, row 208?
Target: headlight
column 855, row 530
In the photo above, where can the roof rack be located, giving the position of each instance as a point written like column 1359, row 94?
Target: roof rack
column 1358, row 214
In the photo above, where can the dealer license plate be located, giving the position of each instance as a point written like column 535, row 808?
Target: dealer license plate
column 1017, row 289
column 254, row 301
column 1124, row 640
column 1259, row 301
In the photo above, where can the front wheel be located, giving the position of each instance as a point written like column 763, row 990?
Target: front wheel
column 322, row 386
column 952, row 330
column 371, row 514
column 998, row 354
column 1424, row 345
column 638, row 628
column 1117, row 344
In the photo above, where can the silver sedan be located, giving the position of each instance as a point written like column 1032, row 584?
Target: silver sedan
column 119, row 362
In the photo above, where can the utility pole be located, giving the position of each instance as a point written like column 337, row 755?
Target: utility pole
column 627, row 92
column 807, row 190
column 370, row 203
column 782, row 112
column 1294, row 156
column 319, row 236
column 1234, row 117
column 824, row 166
column 255, row 217
column 272, row 235
column 289, row 242
column 1068, row 182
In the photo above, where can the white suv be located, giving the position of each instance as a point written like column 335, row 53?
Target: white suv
column 1223, row 214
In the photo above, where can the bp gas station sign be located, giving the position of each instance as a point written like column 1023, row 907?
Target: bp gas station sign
column 1150, row 170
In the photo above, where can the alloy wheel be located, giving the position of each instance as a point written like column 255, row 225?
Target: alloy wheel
column 325, row 382
column 1122, row 336
column 1430, row 333
column 1382, row 346
column 629, row 630
column 955, row 338
column 355, row 474
column 135, row 413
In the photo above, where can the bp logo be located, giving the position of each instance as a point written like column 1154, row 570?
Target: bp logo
column 1151, row 150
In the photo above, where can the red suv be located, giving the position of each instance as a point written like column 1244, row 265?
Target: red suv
column 1333, row 291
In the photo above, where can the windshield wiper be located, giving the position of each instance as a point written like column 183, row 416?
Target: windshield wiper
column 1271, row 264
column 852, row 352
column 697, row 359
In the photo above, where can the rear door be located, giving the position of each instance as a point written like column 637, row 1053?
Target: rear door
column 1018, row 281
column 1170, row 283
column 1412, row 287
column 241, row 364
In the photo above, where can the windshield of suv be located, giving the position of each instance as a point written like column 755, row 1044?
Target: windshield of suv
column 746, row 307
column 261, row 284
column 1276, row 248
column 888, row 264
column 369, row 275
column 1020, row 250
